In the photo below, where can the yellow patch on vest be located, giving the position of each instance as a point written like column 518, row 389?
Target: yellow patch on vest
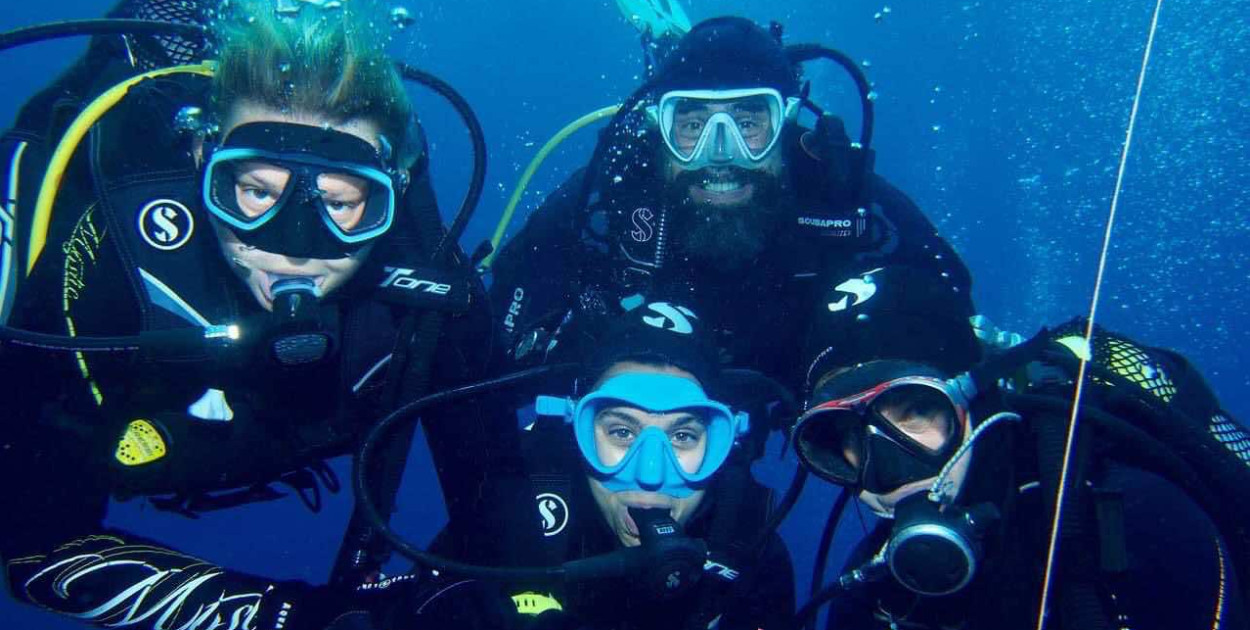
column 530, row 603
column 140, row 444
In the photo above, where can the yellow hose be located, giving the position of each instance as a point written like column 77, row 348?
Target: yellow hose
column 532, row 168
column 69, row 145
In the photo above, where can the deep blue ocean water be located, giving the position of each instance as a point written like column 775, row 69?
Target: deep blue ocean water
column 1003, row 119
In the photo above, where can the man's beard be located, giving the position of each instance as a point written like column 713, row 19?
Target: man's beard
column 723, row 237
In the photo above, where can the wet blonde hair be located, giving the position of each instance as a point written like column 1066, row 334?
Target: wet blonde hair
column 319, row 62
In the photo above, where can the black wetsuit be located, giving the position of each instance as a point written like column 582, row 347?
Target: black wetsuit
column 741, row 587
column 200, row 433
column 1149, row 542
column 790, row 314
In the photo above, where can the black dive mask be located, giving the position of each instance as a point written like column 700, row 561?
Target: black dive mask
column 850, row 442
column 302, row 191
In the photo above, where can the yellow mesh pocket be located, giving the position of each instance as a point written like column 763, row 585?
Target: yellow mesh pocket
column 1131, row 362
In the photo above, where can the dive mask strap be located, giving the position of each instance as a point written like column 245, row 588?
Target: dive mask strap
column 555, row 406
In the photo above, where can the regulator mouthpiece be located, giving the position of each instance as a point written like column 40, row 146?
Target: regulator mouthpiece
column 298, row 338
column 674, row 563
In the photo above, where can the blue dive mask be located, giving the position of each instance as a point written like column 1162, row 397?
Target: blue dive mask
column 651, row 463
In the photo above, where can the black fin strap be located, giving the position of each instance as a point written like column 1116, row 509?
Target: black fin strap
column 327, row 476
column 304, row 483
column 191, row 505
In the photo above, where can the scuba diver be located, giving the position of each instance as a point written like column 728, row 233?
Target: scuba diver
column 232, row 267
column 706, row 190
column 638, row 475
column 964, row 472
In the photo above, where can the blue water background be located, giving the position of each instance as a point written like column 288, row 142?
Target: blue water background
column 1003, row 119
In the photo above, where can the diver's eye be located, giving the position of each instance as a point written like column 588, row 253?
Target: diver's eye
column 685, row 438
column 341, row 206
column 255, row 200
column 621, row 434
column 258, row 194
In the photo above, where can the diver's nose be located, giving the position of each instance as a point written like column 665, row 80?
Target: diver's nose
column 651, row 463
column 720, row 143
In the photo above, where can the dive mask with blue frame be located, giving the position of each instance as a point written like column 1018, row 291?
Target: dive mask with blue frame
column 302, row 191
column 651, row 463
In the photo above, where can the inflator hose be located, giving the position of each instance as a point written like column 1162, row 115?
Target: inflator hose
column 826, row 538
column 478, row 180
column 61, row 343
column 76, row 28
column 410, row 412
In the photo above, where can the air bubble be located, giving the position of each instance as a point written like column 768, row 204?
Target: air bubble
column 401, row 17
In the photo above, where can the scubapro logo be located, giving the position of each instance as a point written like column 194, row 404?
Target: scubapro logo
column 670, row 317
column 514, row 309
column 643, row 231
column 554, row 512
column 402, row 278
column 824, row 223
column 166, row 224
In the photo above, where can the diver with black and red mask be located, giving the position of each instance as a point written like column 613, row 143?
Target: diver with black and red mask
column 963, row 471
column 231, row 267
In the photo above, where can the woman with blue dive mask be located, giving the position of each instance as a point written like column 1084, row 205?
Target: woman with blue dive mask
column 651, row 439
column 638, row 472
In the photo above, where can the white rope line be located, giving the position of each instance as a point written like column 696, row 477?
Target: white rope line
column 1089, row 325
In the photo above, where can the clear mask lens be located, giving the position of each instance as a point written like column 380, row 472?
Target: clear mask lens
column 355, row 203
column 731, row 127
